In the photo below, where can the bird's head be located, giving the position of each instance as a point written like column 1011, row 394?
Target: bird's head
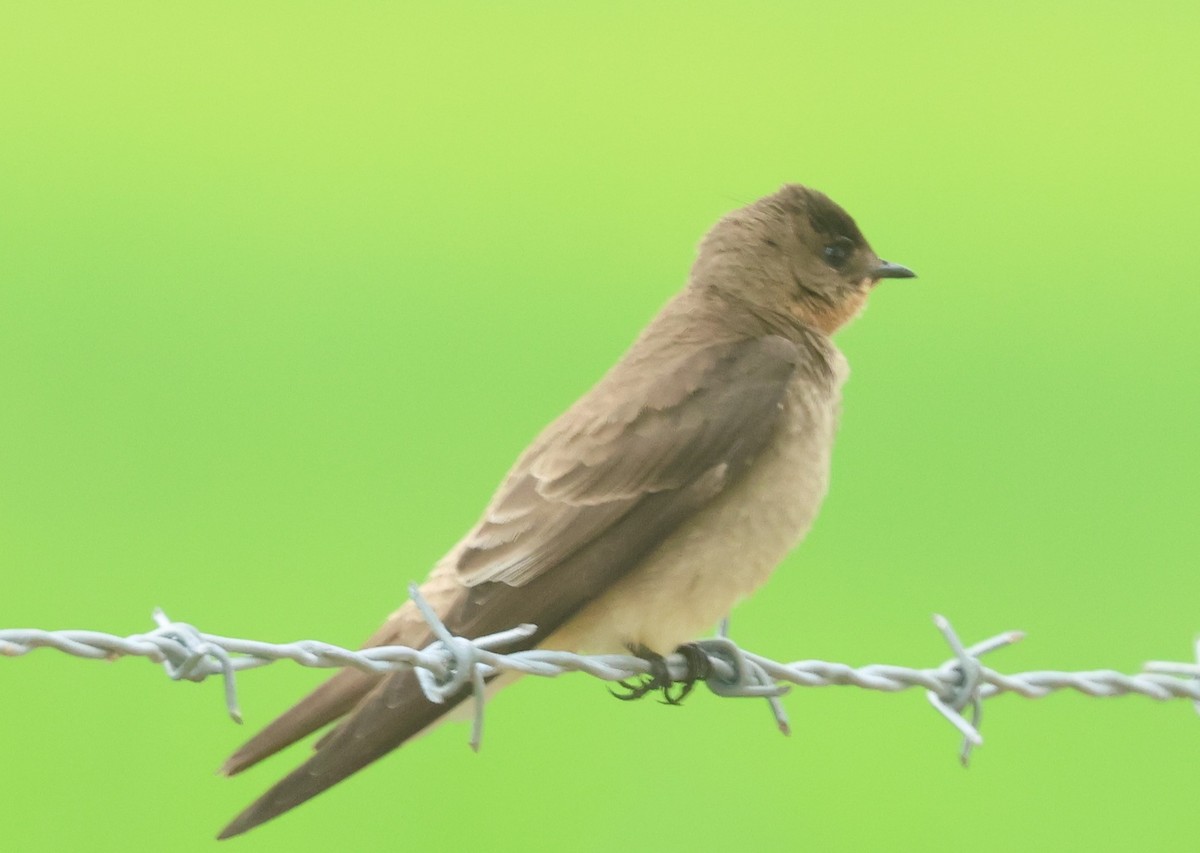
column 795, row 254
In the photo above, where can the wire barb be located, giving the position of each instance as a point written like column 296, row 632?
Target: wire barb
column 957, row 688
column 464, row 662
column 968, row 673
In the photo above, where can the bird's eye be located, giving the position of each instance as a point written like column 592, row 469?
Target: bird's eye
column 836, row 254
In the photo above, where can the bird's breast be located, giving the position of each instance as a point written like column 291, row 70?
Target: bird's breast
column 729, row 548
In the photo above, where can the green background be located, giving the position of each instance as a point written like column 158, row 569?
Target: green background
column 284, row 288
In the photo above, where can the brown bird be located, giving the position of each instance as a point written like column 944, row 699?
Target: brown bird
column 655, row 503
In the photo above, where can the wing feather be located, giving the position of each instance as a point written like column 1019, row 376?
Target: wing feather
column 595, row 464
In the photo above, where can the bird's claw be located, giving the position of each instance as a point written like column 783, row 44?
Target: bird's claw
column 659, row 677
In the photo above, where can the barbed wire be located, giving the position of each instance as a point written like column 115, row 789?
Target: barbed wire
column 956, row 688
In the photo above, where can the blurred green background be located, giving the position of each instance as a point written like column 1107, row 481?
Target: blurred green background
column 284, row 288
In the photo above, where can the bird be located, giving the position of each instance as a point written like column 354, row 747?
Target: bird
column 663, row 496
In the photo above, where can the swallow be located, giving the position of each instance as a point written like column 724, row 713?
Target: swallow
column 666, row 494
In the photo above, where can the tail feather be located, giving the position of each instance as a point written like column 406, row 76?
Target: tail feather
column 358, row 741
column 334, row 698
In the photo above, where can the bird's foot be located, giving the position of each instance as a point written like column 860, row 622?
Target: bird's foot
column 659, row 677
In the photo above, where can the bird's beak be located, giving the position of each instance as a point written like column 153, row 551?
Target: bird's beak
column 890, row 270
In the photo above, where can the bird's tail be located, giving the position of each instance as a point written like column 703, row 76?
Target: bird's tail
column 355, row 743
column 333, row 699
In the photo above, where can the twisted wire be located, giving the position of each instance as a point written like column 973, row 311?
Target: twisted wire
column 956, row 688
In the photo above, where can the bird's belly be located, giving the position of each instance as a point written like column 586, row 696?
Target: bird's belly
column 726, row 551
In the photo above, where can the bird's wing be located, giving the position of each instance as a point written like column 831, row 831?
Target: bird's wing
column 598, row 490
column 616, row 448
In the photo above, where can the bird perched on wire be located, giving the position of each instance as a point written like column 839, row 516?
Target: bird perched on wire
column 662, row 497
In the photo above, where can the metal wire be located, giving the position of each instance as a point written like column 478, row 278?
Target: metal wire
column 956, row 688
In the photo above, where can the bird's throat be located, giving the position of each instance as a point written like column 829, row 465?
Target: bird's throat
column 828, row 318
